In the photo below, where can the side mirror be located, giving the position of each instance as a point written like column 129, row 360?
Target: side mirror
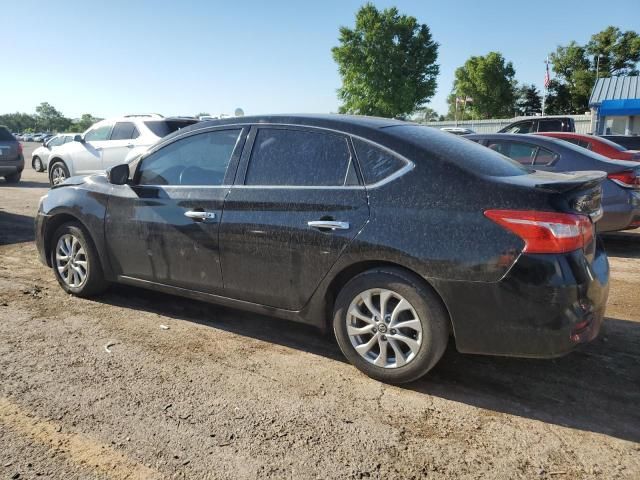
column 78, row 138
column 118, row 174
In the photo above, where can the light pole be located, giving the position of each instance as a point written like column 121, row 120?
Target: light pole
column 598, row 66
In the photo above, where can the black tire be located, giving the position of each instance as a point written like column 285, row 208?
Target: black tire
column 52, row 168
column 13, row 178
column 433, row 317
column 36, row 164
column 95, row 282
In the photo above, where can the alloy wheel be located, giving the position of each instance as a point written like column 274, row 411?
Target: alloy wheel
column 58, row 175
column 37, row 164
column 384, row 328
column 71, row 261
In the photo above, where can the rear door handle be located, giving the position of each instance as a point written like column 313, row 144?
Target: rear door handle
column 329, row 225
column 200, row 215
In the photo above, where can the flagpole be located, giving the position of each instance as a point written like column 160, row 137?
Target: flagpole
column 546, row 85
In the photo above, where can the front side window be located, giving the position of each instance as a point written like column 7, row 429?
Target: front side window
column 523, row 127
column 124, row 131
column 55, row 141
column 98, row 133
column 196, row 160
column 300, row 158
column 376, row 163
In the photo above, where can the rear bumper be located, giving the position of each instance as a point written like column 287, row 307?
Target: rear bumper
column 621, row 215
column 9, row 167
column 544, row 307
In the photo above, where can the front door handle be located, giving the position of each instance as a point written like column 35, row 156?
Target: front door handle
column 130, row 145
column 329, row 225
column 200, row 215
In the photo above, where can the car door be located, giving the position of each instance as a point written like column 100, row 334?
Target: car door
column 120, row 143
column 163, row 227
column 296, row 205
column 87, row 158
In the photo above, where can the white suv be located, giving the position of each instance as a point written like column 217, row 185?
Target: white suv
column 110, row 142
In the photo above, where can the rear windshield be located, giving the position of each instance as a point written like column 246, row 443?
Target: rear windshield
column 459, row 151
column 5, row 135
column 162, row 128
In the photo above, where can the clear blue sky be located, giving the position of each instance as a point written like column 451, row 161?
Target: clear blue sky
column 183, row 57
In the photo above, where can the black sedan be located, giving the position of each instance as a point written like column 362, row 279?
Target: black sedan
column 393, row 235
column 620, row 191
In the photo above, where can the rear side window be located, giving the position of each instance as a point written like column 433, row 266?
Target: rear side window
column 124, row 131
column 196, row 160
column 550, row 126
column 5, row 135
column 544, row 157
column 300, row 158
column 376, row 163
column 523, row 153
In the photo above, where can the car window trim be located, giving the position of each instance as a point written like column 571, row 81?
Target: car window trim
column 246, row 156
column 232, row 166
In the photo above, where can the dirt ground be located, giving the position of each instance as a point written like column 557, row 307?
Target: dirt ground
column 226, row 394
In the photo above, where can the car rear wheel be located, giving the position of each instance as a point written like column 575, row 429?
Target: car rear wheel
column 37, row 164
column 75, row 262
column 14, row 178
column 390, row 325
column 58, row 173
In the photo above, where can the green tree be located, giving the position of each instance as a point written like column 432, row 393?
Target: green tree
column 50, row 119
column 461, row 111
column 528, row 100
column 558, row 99
column 387, row 63
column 619, row 51
column 609, row 52
column 83, row 123
column 424, row 114
column 18, row 122
column 202, row 114
column 574, row 71
column 489, row 82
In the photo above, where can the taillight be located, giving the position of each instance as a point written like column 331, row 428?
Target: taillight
column 626, row 179
column 546, row 232
column 19, row 148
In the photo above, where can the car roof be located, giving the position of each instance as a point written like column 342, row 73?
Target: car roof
column 350, row 124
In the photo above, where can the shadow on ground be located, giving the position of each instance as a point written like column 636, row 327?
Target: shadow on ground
column 25, row 184
column 626, row 245
column 596, row 388
column 15, row 228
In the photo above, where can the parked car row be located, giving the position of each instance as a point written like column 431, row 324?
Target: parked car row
column 33, row 137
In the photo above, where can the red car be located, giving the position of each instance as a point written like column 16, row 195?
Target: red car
column 599, row 145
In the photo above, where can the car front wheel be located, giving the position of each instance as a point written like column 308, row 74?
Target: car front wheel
column 58, row 173
column 390, row 325
column 75, row 262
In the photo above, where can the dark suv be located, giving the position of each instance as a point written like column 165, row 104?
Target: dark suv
column 11, row 158
column 541, row 124
column 394, row 235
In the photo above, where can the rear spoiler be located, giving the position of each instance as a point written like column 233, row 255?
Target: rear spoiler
column 557, row 182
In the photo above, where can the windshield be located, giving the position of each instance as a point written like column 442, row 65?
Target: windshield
column 162, row 128
column 460, row 151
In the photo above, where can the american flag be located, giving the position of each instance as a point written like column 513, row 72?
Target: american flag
column 547, row 77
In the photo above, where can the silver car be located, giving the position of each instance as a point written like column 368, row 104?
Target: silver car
column 40, row 156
